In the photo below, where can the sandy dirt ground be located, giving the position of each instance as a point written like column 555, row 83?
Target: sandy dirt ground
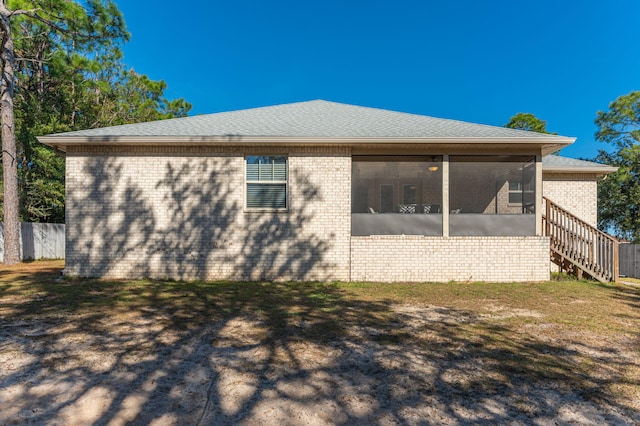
column 144, row 368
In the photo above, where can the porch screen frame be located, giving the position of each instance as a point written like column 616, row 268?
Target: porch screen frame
column 479, row 203
column 420, row 176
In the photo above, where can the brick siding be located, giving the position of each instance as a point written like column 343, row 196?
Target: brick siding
column 442, row 259
column 179, row 213
column 575, row 192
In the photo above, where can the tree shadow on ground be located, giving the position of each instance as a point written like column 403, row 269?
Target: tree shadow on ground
column 629, row 295
column 97, row 352
column 100, row 352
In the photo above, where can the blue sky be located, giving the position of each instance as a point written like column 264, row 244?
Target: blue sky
column 478, row 60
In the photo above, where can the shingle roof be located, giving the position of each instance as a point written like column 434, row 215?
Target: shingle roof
column 311, row 119
column 565, row 164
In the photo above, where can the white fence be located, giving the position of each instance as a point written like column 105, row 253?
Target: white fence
column 39, row 240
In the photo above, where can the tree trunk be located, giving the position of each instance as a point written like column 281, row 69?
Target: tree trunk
column 9, row 160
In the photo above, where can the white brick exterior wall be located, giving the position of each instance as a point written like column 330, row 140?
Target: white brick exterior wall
column 179, row 213
column 438, row 259
column 577, row 193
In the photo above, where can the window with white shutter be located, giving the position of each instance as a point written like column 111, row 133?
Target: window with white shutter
column 266, row 182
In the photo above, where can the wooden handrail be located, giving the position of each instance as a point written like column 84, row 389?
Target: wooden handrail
column 590, row 249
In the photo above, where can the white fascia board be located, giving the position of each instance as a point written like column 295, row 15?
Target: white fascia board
column 548, row 143
column 599, row 170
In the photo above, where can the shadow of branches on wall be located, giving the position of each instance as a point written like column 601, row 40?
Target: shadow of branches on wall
column 190, row 224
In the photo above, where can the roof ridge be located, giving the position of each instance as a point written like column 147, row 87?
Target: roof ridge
column 453, row 120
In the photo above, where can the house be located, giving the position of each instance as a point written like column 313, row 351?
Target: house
column 317, row 191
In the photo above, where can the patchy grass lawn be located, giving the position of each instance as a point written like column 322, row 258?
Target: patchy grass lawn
column 108, row 351
column 631, row 280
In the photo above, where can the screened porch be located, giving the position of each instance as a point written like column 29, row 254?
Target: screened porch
column 444, row 195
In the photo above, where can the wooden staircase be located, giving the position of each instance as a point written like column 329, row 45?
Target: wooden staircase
column 578, row 247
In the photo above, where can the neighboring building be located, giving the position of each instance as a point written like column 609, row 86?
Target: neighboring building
column 316, row 191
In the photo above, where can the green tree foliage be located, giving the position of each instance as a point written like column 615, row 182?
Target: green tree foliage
column 70, row 76
column 619, row 193
column 130, row 97
column 527, row 121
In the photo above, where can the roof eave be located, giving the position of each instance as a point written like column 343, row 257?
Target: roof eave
column 548, row 144
column 597, row 170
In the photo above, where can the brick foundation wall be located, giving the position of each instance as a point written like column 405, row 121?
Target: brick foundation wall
column 178, row 212
column 438, row 259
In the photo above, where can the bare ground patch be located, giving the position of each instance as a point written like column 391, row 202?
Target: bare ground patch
column 91, row 352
